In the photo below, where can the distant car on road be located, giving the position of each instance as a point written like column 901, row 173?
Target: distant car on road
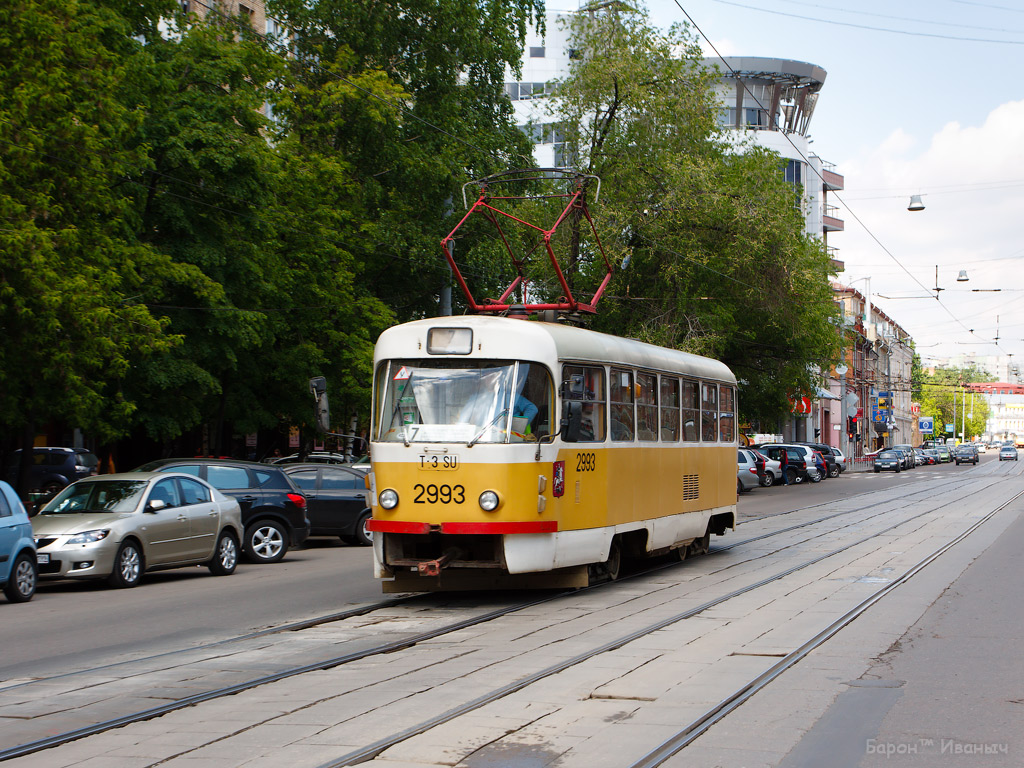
column 888, row 460
column 18, row 572
column 965, row 454
column 944, row 455
column 1008, row 453
column 53, row 468
column 120, row 526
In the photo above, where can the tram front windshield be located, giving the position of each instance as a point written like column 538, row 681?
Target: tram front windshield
column 457, row 401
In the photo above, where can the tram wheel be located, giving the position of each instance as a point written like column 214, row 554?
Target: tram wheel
column 682, row 552
column 609, row 569
column 702, row 545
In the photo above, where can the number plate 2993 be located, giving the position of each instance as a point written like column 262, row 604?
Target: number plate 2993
column 440, row 463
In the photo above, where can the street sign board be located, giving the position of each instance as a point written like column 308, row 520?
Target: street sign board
column 926, row 424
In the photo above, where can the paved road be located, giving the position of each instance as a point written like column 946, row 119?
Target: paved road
column 86, row 623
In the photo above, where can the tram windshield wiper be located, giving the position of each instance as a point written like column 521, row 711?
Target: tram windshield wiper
column 489, row 424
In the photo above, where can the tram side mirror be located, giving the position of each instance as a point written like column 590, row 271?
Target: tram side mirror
column 572, row 420
column 321, row 410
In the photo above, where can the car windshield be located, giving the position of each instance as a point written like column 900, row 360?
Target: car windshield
column 448, row 401
column 101, row 496
column 887, row 455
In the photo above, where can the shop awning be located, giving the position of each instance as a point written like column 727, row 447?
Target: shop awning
column 824, row 394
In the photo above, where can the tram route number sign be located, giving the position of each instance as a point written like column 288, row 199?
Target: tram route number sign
column 435, row 462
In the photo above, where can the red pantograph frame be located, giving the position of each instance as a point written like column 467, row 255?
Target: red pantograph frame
column 484, row 205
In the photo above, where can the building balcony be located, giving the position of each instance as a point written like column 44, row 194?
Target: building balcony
column 832, row 224
column 832, row 181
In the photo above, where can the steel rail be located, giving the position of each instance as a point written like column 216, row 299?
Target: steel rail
column 153, row 712
column 697, row 727
column 371, row 751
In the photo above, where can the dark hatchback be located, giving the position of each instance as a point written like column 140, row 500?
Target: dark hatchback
column 832, row 466
column 335, row 499
column 273, row 508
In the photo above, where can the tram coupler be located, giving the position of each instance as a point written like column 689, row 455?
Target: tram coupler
column 433, row 567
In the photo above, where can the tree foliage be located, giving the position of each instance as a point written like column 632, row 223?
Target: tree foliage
column 945, row 399
column 718, row 262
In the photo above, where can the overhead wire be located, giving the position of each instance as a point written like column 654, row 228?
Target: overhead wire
column 800, row 152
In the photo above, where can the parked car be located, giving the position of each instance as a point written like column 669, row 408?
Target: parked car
column 944, row 455
column 1008, row 453
column 273, row 508
column 890, row 459
column 53, row 468
column 800, row 462
column 981, row 447
column 18, row 570
column 831, row 463
column 315, row 457
column 906, row 453
column 772, row 469
column 966, row 454
column 746, row 471
column 120, row 526
column 840, row 459
column 336, row 502
column 931, row 455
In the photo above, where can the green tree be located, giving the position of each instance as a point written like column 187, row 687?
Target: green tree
column 410, row 97
column 72, row 265
column 718, row 260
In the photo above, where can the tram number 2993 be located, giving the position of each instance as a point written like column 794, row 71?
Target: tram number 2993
column 432, row 494
column 586, row 462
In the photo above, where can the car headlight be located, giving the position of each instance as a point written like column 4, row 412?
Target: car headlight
column 388, row 498
column 89, row 537
column 489, row 501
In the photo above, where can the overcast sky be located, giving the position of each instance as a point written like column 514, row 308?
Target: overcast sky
column 922, row 97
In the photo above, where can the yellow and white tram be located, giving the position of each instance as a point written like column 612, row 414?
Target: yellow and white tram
column 515, row 453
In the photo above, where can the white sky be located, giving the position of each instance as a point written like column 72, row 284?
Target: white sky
column 931, row 113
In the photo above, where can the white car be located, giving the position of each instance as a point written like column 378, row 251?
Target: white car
column 840, row 459
column 772, row 470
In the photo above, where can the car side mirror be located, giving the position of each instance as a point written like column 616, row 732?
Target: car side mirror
column 155, row 505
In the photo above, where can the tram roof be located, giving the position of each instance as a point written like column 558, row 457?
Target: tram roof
column 505, row 338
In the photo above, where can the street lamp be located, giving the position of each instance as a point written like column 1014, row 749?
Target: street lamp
column 916, row 204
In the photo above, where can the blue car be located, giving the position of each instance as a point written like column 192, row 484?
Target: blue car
column 18, row 570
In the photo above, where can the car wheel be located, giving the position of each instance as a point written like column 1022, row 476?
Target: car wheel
column 363, row 537
column 739, row 487
column 834, row 471
column 22, row 582
column 792, row 476
column 814, row 475
column 266, row 542
column 877, row 470
column 128, row 566
column 769, row 480
column 225, row 556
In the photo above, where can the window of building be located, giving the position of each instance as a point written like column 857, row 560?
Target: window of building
column 537, row 52
column 646, row 406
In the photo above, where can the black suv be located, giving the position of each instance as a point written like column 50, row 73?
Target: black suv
column 832, row 467
column 273, row 508
column 53, row 468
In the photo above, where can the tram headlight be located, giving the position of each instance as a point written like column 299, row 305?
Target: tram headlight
column 489, row 501
column 388, row 498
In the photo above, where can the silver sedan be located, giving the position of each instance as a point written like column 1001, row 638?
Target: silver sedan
column 119, row 526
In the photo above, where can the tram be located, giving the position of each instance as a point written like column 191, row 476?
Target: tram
column 517, row 453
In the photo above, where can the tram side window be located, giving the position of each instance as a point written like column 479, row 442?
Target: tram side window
column 669, row 408
column 586, row 383
column 646, row 406
column 621, row 392
column 533, row 402
column 708, row 412
column 727, row 415
column 691, row 412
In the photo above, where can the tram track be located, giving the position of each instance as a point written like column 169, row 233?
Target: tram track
column 371, row 751
column 55, row 740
